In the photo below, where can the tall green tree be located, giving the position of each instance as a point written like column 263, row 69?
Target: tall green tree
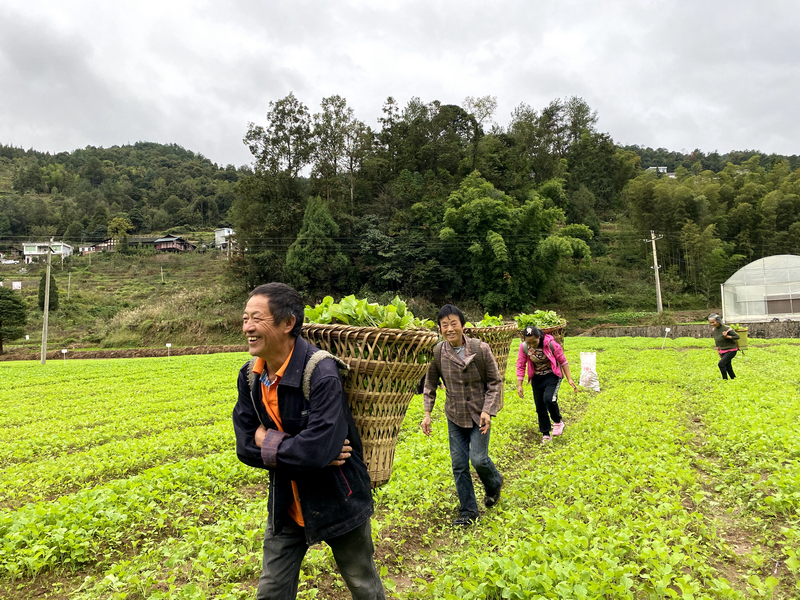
column 285, row 144
column 119, row 227
column 13, row 316
column 389, row 141
column 435, row 137
column 579, row 117
column 72, row 233
column 315, row 262
column 266, row 214
column 538, row 144
column 481, row 110
column 98, row 227
column 499, row 241
column 709, row 259
column 358, row 141
column 53, row 306
column 330, row 131
column 5, row 225
column 592, row 163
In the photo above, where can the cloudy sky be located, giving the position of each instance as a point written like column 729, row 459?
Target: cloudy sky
column 681, row 75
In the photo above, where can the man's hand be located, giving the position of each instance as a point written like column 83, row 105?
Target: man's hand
column 486, row 422
column 343, row 455
column 426, row 425
column 261, row 433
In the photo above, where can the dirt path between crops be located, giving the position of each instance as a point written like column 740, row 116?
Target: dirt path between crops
column 407, row 550
column 127, row 353
column 731, row 524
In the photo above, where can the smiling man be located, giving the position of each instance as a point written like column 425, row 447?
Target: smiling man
column 473, row 396
column 319, row 488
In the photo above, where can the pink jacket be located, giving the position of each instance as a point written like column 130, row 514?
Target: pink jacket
column 552, row 350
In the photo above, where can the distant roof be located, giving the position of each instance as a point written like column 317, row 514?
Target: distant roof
column 47, row 244
column 781, row 268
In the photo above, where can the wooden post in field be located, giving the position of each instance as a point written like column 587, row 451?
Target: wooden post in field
column 653, row 239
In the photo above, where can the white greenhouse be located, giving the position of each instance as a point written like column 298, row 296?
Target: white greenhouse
column 767, row 289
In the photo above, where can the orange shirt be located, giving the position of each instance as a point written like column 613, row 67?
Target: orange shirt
column 269, row 396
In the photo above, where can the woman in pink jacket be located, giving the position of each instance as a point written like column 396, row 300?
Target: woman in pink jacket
column 547, row 366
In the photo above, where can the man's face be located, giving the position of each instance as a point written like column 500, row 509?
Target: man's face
column 452, row 329
column 260, row 328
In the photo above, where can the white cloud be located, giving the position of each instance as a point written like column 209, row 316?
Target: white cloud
column 682, row 75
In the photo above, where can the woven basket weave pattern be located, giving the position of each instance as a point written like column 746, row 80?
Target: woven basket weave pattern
column 557, row 332
column 499, row 340
column 386, row 366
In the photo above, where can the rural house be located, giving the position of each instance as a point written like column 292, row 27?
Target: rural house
column 222, row 237
column 173, row 243
column 167, row 243
column 36, row 250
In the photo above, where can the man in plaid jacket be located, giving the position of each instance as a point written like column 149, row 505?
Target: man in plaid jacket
column 473, row 396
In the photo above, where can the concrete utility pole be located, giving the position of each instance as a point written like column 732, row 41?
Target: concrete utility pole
column 653, row 239
column 46, row 306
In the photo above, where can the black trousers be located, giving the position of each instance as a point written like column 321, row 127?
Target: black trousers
column 545, row 397
column 725, row 366
column 284, row 552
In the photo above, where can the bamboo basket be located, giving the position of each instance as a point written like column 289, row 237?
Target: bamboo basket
column 741, row 343
column 386, row 366
column 557, row 331
column 499, row 340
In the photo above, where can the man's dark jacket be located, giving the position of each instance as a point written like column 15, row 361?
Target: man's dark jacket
column 333, row 500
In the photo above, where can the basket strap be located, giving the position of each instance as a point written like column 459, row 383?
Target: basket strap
column 312, row 363
column 479, row 362
column 251, row 377
column 475, row 347
column 437, row 356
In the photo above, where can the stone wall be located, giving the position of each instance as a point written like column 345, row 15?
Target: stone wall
column 783, row 329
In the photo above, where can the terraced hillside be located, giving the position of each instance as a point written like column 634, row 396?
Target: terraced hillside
column 115, row 300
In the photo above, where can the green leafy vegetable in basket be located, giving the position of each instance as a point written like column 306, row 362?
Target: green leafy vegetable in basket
column 540, row 318
column 360, row 313
column 490, row 321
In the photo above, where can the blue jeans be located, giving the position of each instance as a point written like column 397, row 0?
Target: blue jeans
column 284, row 552
column 468, row 444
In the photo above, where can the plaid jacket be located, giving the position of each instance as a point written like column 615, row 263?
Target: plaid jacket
column 467, row 396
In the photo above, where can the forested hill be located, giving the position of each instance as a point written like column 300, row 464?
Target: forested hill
column 698, row 161
column 436, row 201
column 74, row 195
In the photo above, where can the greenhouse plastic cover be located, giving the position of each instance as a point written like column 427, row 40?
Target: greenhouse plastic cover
column 763, row 291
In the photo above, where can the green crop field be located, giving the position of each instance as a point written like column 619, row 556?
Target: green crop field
column 119, row 479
